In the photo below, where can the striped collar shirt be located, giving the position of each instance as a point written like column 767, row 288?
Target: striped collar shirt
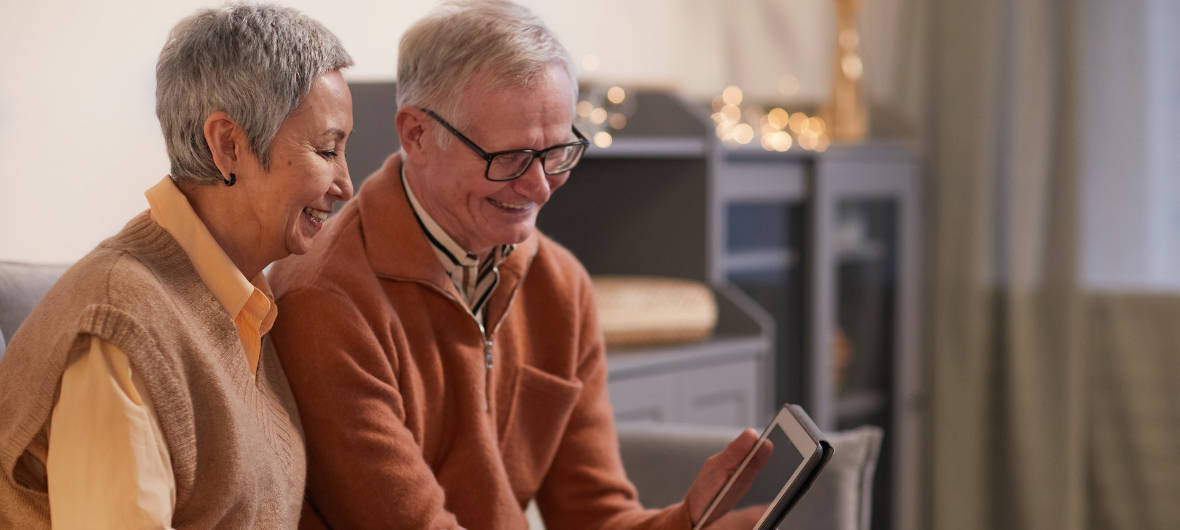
column 474, row 278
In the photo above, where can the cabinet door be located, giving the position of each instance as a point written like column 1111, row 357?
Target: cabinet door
column 715, row 394
column 649, row 398
column 864, row 333
column 721, row 395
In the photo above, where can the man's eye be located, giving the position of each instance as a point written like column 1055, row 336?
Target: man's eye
column 328, row 153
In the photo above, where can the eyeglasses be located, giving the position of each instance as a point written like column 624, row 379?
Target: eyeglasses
column 510, row 165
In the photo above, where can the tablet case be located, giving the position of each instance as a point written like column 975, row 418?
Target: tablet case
column 793, row 497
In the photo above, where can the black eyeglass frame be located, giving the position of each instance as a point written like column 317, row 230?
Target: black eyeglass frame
column 488, row 157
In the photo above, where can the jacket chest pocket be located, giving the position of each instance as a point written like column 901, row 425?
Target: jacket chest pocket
column 541, row 407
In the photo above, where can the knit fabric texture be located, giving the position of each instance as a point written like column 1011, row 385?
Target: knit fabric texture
column 235, row 441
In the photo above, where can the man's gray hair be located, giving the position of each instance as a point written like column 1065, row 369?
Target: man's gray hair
column 496, row 41
column 255, row 62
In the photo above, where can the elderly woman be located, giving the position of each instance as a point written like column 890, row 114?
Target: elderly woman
column 142, row 391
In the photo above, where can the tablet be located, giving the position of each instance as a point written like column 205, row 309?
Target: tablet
column 797, row 454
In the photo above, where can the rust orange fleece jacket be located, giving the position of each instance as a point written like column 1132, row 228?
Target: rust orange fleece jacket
column 388, row 369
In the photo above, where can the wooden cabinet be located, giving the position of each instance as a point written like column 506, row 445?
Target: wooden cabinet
column 828, row 244
column 713, row 382
column 818, row 250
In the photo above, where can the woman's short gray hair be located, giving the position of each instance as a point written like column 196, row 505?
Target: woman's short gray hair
column 255, row 62
column 500, row 42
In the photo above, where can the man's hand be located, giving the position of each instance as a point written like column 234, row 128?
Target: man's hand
column 718, row 468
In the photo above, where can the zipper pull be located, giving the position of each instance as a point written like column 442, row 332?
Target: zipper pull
column 487, row 386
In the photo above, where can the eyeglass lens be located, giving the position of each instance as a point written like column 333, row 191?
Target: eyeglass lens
column 507, row 166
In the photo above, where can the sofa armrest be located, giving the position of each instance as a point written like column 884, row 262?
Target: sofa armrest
column 21, row 286
column 663, row 459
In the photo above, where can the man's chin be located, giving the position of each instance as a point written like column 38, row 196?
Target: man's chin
column 515, row 236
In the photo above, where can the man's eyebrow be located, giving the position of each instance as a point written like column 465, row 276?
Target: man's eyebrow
column 337, row 134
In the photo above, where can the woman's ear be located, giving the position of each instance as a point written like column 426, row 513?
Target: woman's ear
column 411, row 130
column 222, row 135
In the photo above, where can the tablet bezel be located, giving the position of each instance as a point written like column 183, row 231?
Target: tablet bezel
column 801, row 431
column 807, row 440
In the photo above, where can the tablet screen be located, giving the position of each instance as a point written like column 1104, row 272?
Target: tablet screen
column 783, row 462
column 772, row 474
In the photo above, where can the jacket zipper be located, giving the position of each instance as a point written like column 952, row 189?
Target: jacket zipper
column 483, row 333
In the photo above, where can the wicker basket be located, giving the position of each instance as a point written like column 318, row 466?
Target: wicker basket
column 644, row 311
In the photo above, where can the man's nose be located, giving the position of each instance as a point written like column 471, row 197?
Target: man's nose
column 533, row 183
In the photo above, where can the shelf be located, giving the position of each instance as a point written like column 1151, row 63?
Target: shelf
column 651, row 147
column 639, row 362
column 871, row 150
column 738, row 335
column 717, row 381
column 775, row 260
column 867, row 251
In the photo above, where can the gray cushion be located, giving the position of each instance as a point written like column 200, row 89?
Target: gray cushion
column 21, row 286
column 663, row 459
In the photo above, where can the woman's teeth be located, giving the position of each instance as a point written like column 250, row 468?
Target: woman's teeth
column 319, row 215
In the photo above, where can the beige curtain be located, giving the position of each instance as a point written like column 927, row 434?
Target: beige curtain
column 1051, row 407
column 1006, row 373
column 1134, row 420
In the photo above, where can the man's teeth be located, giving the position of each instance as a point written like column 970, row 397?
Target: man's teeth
column 508, row 206
column 319, row 215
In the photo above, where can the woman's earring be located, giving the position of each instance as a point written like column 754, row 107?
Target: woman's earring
column 231, row 180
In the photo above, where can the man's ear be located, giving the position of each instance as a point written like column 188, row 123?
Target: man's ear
column 411, row 130
column 225, row 141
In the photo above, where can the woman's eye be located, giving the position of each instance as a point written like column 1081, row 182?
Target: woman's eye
column 328, row 153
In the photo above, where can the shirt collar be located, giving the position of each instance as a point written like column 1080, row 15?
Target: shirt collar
column 245, row 300
column 396, row 247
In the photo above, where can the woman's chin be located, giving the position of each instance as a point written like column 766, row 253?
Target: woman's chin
column 304, row 234
column 300, row 245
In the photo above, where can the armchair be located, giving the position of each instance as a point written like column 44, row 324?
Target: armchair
column 663, row 459
column 21, row 286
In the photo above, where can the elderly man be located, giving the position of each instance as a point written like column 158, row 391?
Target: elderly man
column 444, row 355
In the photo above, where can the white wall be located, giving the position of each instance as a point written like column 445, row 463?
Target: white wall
column 1130, row 163
column 1164, row 93
column 79, row 141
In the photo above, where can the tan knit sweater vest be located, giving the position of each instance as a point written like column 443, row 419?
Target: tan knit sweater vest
column 235, row 441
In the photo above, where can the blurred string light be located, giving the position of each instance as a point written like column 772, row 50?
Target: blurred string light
column 602, row 111
column 616, row 95
column 775, row 129
column 598, row 116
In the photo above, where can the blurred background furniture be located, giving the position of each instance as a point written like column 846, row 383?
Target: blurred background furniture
column 828, row 243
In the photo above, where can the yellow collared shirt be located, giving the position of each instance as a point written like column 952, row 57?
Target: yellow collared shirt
column 107, row 465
